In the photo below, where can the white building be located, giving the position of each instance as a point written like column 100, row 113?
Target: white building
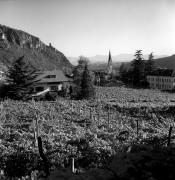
column 51, row 81
column 163, row 80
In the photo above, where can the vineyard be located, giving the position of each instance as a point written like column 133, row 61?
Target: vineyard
column 90, row 132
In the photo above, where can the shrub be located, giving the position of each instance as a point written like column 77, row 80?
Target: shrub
column 50, row 96
column 3, row 90
column 20, row 163
column 145, row 162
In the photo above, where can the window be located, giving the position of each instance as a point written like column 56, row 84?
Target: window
column 38, row 89
column 50, row 76
column 54, row 88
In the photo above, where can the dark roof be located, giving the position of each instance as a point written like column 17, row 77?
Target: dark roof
column 162, row 72
column 52, row 77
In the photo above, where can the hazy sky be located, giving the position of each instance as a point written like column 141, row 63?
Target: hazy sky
column 90, row 27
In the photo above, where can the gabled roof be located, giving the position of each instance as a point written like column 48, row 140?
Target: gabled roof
column 52, row 77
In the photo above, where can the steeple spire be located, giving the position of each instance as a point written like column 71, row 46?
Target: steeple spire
column 109, row 59
column 109, row 63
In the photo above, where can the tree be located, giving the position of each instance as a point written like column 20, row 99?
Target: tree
column 87, row 88
column 123, row 71
column 20, row 76
column 78, row 74
column 150, row 65
column 83, row 61
column 78, row 70
column 138, row 67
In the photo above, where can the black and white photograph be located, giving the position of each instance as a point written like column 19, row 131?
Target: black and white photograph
column 87, row 89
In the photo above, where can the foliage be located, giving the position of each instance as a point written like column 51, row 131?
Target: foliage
column 50, row 96
column 20, row 77
column 78, row 72
column 91, row 131
column 3, row 90
column 144, row 162
column 136, row 74
column 83, row 61
column 150, row 65
column 20, row 163
column 137, row 68
column 82, row 80
column 87, row 88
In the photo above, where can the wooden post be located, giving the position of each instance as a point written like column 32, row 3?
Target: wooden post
column 35, row 129
column 108, row 116
column 94, row 119
column 137, row 121
column 80, row 111
column 90, row 113
column 98, row 118
column 98, row 114
column 73, row 166
column 71, row 111
column 43, row 157
column 169, row 136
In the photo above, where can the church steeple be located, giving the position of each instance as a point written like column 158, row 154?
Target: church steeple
column 109, row 63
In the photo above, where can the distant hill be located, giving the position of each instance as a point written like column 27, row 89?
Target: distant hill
column 102, row 59
column 166, row 62
column 15, row 43
column 99, row 62
column 103, row 66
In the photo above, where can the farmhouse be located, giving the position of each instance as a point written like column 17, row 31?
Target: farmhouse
column 163, row 79
column 51, row 81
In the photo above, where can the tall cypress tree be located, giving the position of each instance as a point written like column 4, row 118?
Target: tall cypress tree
column 138, row 66
column 87, row 88
column 150, row 65
column 20, row 76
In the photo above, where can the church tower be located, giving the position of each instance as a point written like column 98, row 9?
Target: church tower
column 109, row 63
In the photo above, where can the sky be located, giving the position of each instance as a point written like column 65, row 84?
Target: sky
column 92, row 27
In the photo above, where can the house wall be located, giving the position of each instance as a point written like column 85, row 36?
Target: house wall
column 49, row 86
column 161, row 82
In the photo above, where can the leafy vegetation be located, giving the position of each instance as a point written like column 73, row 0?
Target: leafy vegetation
column 122, row 126
column 83, row 80
column 20, row 77
column 136, row 74
column 87, row 88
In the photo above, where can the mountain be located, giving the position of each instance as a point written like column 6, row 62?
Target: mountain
column 15, row 43
column 100, row 62
column 166, row 62
column 117, row 59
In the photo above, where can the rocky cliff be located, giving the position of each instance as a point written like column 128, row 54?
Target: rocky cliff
column 15, row 43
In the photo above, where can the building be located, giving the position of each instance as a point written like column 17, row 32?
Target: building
column 163, row 79
column 2, row 35
column 51, row 81
column 109, row 69
column 103, row 72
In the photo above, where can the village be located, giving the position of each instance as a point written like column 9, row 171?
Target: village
column 87, row 90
